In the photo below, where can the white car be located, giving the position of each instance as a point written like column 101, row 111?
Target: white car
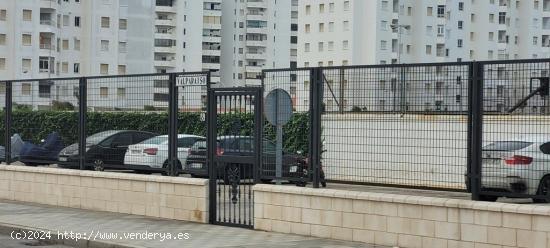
column 518, row 165
column 153, row 152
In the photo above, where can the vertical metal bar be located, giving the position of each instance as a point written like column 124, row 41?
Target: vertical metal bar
column 258, row 127
column 211, row 110
column 342, row 91
column 7, row 123
column 82, row 115
column 316, row 89
column 476, row 129
column 173, row 125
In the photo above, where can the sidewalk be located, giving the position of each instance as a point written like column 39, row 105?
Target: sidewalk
column 30, row 216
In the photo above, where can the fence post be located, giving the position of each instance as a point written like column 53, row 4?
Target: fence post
column 82, row 115
column 173, row 125
column 7, row 124
column 211, row 110
column 475, row 128
column 316, row 102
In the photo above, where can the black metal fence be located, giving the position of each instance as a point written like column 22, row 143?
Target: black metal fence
column 146, row 123
column 476, row 126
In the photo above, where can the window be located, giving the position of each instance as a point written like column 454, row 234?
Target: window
column 65, row 20
column 502, row 18
column 104, row 69
column 321, row 46
column 440, row 11
column 76, row 67
column 321, row 8
column 346, row 25
column 44, row 64
column 103, row 92
column 459, row 43
column 345, row 45
column 121, row 93
column 2, row 14
column 105, row 22
column 27, row 39
column 308, row 28
column 2, row 63
column 122, row 24
column 331, row 26
column 26, row 89
column 429, row 11
column 460, row 24
column 122, row 47
column 383, row 45
column 121, row 69
column 331, row 45
column 321, row 27
column 65, row 67
column 104, row 45
column 27, row 15
column 65, row 44
column 44, row 90
column 331, row 7
column 306, row 47
column 461, row 6
column 346, row 5
column 440, row 30
column 491, row 18
column 535, row 40
column 76, row 44
column 428, row 49
column 308, row 9
column 77, row 21
column 491, row 36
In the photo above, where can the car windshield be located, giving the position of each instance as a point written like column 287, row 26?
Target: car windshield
column 507, row 146
column 98, row 137
column 156, row 140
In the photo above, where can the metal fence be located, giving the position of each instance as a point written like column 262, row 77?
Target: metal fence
column 145, row 123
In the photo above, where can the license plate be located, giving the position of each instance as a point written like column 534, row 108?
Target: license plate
column 196, row 166
column 63, row 159
column 293, row 169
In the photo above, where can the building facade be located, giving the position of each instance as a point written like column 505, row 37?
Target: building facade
column 354, row 32
column 256, row 35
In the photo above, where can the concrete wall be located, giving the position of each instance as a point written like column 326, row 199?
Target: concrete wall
column 155, row 196
column 399, row 220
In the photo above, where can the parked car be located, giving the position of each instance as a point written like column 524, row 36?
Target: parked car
column 294, row 165
column 44, row 153
column 16, row 145
column 153, row 152
column 518, row 165
column 104, row 150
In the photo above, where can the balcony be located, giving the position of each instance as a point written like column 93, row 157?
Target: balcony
column 165, row 22
column 210, row 66
column 257, row 3
column 165, row 63
column 256, row 43
column 47, row 46
column 254, row 68
column 255, row 56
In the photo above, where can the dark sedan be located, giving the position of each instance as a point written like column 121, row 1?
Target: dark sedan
column 104, row 150
column 294, row 165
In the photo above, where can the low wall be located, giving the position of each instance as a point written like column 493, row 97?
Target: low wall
column 156, row 196
column 399, row 220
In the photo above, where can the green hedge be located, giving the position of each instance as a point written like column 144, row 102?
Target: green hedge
column 36, row 125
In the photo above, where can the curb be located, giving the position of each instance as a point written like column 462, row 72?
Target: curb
column 6, row 228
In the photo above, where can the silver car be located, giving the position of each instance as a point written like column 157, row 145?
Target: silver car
column 518, row 165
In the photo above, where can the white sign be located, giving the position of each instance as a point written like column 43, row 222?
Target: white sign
column 188, row 80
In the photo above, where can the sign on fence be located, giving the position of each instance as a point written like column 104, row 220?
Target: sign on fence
column 191, row 80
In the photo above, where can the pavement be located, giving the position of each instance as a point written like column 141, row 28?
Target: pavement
column 63, row 226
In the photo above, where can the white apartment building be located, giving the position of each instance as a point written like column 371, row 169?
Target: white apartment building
column 73, row 38
column 356, row 32
column 256, row 35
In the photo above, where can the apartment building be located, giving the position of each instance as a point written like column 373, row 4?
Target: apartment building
column 256, row 35
column 355, row 32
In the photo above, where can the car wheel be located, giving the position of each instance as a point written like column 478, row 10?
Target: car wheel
column 543, row 190
column 165, row 167
column 99, row 165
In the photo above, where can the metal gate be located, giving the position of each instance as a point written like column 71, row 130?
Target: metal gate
column 234, row 145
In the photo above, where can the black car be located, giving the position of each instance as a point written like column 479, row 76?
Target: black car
column 294, row 165
column 104, row 150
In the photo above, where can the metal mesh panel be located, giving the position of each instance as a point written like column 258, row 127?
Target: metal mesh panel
column 396, row 125
column 295, row 133
column 125, row 116
column 45, row 116
column 515, row 128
